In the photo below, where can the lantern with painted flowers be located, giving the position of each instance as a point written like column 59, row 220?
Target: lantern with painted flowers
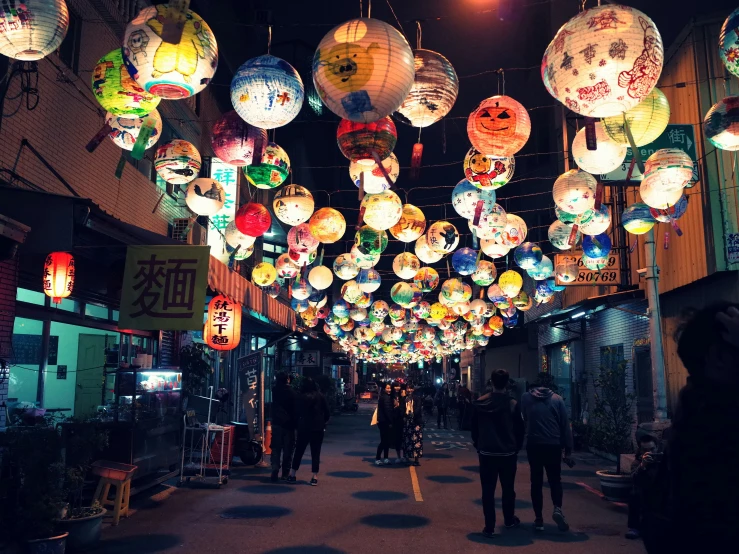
column 574, row 191
column 223, row 328
column 253, row 219
column 410, row 226
column 528, row 255
column 125, row 129
column 542, row 270
column 406, row 265
column 499, row 126
column 484, row 274
column 359, row 142
column 371, row 177
column 177, row 162
column 608, row 155
column 301, row 240
column 270, row 170
column 293, row 204
column 116, row 91
column 264, row 274
column 345, row 268
column 637, row 219
column 327, row 225
column 510, row 283
column 320, row 277
column 647, row 120
column 486, row 171
column 442, row 237
column 59, row 274
column 236, row 142
column 434, row 90
column 205, row 196
column 559, row 235
column 382, row 210
column 32, row 29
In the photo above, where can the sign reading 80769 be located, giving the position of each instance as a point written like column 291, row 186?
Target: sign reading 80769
column 608, row 275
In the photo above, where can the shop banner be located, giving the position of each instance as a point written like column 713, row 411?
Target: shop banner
column 164, row 288
column 249, row 369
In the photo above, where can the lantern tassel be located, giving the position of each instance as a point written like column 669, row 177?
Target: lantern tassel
column 416, row 161
column 633, row 246
column 147, row 128
column 98, row 138
column 174, row 20
column 598, row 195
column 573, row 235
column 475, row 242
column 361, row 217
column 478, row 212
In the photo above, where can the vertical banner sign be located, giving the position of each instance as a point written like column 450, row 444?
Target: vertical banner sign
column 249, row 369
column 164, row 288
column 228, row 176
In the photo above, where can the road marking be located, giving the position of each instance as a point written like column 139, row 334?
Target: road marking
column 600, row 494
column 416, row 487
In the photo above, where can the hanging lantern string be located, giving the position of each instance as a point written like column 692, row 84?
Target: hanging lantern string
column 369, row 8
column 361, row 10
column 419, row 34
column 396, row 18
column 269, row 38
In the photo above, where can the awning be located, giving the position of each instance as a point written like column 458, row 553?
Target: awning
column 588, row 306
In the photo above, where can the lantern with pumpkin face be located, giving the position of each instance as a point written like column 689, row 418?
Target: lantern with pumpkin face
column 499, row 126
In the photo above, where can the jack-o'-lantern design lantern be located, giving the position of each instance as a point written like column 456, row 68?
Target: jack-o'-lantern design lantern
column 499, row 126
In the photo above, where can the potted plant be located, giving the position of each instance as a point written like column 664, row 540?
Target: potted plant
column 195, row 363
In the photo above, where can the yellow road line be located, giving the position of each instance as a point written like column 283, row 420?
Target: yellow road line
column 416, row 487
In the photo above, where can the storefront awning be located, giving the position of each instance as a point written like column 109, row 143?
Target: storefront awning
column 588, row 306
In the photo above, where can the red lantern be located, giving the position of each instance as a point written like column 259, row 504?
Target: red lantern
column 236, row 142
column 223, row 328
column 58, row 275
column 253, row 219
column 357, row 141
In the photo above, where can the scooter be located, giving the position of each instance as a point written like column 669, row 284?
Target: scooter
column 350, row 405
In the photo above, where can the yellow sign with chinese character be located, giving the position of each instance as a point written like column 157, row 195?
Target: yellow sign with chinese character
column 164, row 288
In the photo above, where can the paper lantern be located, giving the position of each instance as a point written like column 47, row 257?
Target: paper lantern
column 59, row 274
column 607, row 157
column 566, row 271
column 327, row 225
column 267, row 92
column 728, row 43
column 370, row 241
column 320, row 277
column 452, row 290
column 637, row 219
column 273, row 291
column 542, row 270
column 369, row 280
column 237, row 239
column 205, row 196
column 486, row 171
column 271, row 170
column 32, row 29
column 673, row 213
column 171, row 71
column 396, row 312
column 371, row 177
column 464, row 261
column 302, row 289
column 528, row 255
column 301, row 240
column 358, row 314
column 594, row 264
column 515, row 231
column 236, row 142
column 263, row 274
column 340, row 308
column 574, row 191
column 470, row 201
column 177, row 162
column 363, row 70
column 671, row 166
column 596, row 246
column 293, row 205
column 382, row 210
column 125, row 129
column 654, row 195
column 461, row 308
column 721, row 124
column 379, row 310
column 568, row 218
column 116, row 91
column 365, row 300
column 442, row 237
column 491, row 225
column 603, row 61
column 242, row 253
column 647, row 120
column 499, row 126
column 422, row 310
column 434, row 90
column 362, row 260
column 484, row 274
column 253, row 219
column 599, row 222
column 345, row 268
column 359, row 142
column 350, row 291
column 410, row 226
column 286, row 268
column 493, row 248
column 223, row 328
column 559, row 235
column 302, row 259
column 426, row 279
column 406, row 265
column 510, row 283
column 402, row 293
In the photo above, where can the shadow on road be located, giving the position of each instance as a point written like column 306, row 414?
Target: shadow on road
column 380, row 495
column 473, row 469
column 142, row 544
column 350, row 474
column 525, row 537
column 449, row 479
column 267, row 489
column 395, row 521
column 254, row 512
column 305, row 550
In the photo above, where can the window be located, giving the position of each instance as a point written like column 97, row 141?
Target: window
column 271, row 251
column 69, row 51
column 96, row 311
column 30, row 296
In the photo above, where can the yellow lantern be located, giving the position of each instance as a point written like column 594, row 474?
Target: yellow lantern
column 116, row 91
column 320, row 277
column 32, row 29
column 58, row 276
column 608, row 156
column 499, row 126
column 647, row 120
column 510, row 283
column 327, row 225
column 410, row 226
column 264, row 274
column 223, row 328
column 293, row 205
column 437, row 311
column 406, row 265
column 382, row 210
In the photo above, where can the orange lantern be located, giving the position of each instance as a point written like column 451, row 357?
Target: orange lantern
column 58, row 276
column 223, row 328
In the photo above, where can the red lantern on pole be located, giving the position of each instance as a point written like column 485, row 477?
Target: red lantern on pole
column 223, row 328
column 58, row 276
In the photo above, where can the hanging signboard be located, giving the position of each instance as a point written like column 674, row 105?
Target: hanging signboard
column 307, row 358
column 249, row 369
column 228, row 176
column 609, row 275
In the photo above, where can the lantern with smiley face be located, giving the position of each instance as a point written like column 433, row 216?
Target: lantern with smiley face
column 499, row 126
column 486, row 171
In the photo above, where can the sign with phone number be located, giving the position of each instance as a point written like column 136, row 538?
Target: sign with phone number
column 609, row 275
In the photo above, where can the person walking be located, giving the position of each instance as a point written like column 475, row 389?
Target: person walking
column 497, row 434
column 399, row 407
column 313, row 415
column 547, row 433
column 283, row 426
column 384, row 424
column 413, row 426
column 441, row 400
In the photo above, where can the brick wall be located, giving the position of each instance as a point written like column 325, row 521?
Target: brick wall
column 8, row 285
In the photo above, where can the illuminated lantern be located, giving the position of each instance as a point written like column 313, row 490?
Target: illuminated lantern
column 485, row 171
column 467, row 200
column 452, row 290
column 422, row 310
column 499, row 126
column 490, row 226
column 177, row 162
column 340, row 309
column 527, row 255
column 293, row 205
column 674, row 212
column 559, row 235
column 478, row 307
column 322, row 312
column 363, row 70
column 286, row 268
column 205, row 196
column 327, row 225
column 59, row 276
column 647, row 120
column 364, row 301
column 264, row 274
column 223, row 329
column 728, row 41
column 542, row 270
column 237, row 239
column 302, row 259
column 515, row 231
column 672, row 166
column 523, row 301
column 569, row 219
column 574, row 191
column 602, row 78
column 345, row 268
column 271, row 170
column 608, row 156
column 267, row 92
column 510, row 283
column 301, row 240
column 434, row 90
column 566, row 271
column 637, row 219
column 320, row 277
column 461, row 308
column 116, row 91
column 32, row 29
column 442, row 237
column 543, row 293
column 244, row 252
column 464, row 261
column 171, row 71
column 382, row 210
column 379, row 310
column 125, row 129
column 236, row 142
column 437, row 311
column 493, row 248
column 410, row 226
column 594, row 264
column 426, row 279
column 351, row 292
column 406, row 265
column 364, row 261
column 358, row 314
column 396, row 312
column 274, row 290
column 369, row 280
column 359, row 141
column 370, row 241
column 402, row 293
column 253, row 219
column 599, row 223
column 596, row 246
column 371, row 177
column 511, row 321
column 484, row 274
column 655, row 196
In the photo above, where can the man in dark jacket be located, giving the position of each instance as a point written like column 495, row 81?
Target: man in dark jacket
column 497, row 433
column 547, row 433
column 283, row 425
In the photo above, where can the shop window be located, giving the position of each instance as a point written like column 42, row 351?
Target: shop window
column 30, row 296
column 115, row 314
column 68, row 305
column 560, row 367
column 96, row 311
column 25, row 362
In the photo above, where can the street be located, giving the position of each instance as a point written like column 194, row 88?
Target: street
column 358, row 507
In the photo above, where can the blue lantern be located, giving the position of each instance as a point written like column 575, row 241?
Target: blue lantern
column 528, row 255
column 341, row 309
column 464, row 261
column 316, row 296
column 510, row 322
column 299, row 305
column 551, row 283
column 544, row 269
column 637, row 219
column 369, row 280
column 598, row 246
column 466, row 197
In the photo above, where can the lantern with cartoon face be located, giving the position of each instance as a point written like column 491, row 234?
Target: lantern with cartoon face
column 499, row 126
column 253, row 219
column 359, row 142
column 293, row 204
column 236, row 142
column 370, row 241
column 327, row 225
column 464, row 261
column 484, row 274
column 269, row 171
column 574, row 191
column 116, row 91
column 485, row 171
column 345, row 268
column 205, row 196
column 301, row 240
column 379, row 310
column 442, row 237
column 264, row 274
column 382, row 210
column 177, row 162
column 125, row 129
column 371, row 177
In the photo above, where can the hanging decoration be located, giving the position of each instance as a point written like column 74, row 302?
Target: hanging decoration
column 264, row 274
column 406, row 265
column 345, row 268
column 59, row 275
column 672, row 213
column 426, row 279
column 286, row 268
column 293, row 205
column 608, row 156
column 499, row 126
column 410, row 226
column 238, row 240
column 728, row 43
column 370, row 241
column 253, row 219
column 270, row 170
column 116, row 91
column 528, row 255
column 361, row 142
column 655, row 195
column 32, row 29
column 486, row 171
column 236, row 142
column 514, row 232
column 369, row 280
column 647, row 120
column 574, row 191
column 442, row 237
column 510, row 283
column 223, row 329
column 493, row 248
column 559, row 235
column 320, row 277
column 721, row 124
column 464, row 261
column 124, row 129
column 382, row 210
column 177, row 162
column 542, row 270
column 327, row 225
column 205, row 196
column 301, row 240
column 471, row 202
column 370, row 177
column 484, row 274
column 598, row 246
column 598, row 222
column 637, row 219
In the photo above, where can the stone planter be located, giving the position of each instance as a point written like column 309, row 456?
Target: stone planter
column 51, row 545
column 83, row 532
column 615, row 487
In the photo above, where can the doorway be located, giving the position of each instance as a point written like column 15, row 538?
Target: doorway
column 90, row 375
column 643, row 384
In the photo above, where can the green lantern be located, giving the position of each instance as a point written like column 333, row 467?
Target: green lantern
column 370, row 241
column 402, row 293
column 271, row 171
column 116, row 91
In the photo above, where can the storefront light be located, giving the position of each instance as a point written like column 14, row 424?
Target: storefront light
column 58, row 276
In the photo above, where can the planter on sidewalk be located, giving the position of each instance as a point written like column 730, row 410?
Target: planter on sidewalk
column 83, row 532
column 51, row 545
column 616, row 487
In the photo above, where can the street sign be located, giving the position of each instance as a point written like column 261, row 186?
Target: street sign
column 609, row 275
column 675, row 136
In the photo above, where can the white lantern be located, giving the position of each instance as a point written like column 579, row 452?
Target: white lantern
column 469, row 201
column 671, row 166
column 607, row 157
column 125, row 129
column 205, row 196
column 32, row 29
column 177, row 162
column 373, row 177
column 425, row 253
column 599, row 223
column 515, row 231
column 559, row 235
column 494, row 249
column 406, row 265
column 566, row 271
column 237, row 239
column 364, row 261
column 442, row 237
column 490, row 226
column 320, row 277
column 382, row 210
column 369, row 280
column 285, row 266
column 345, row 268
column 574, row 191
column 293, row 204
column 655, row 195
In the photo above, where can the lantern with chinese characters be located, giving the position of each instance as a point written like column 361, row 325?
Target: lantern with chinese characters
column 647, row 120
column 674, row 212
column 320, row 277
column 510, row 283
column 253, row 219
column 223, row 328
column 485, row 171
column 602, row 78
column 599, row 223
column 499, row 126
column 484, row 274
column 410, row 226
column 637, row 219
column 426, row 279
column 559, row 235
column 286, row 268
column 205, row 196
column 237, row 239
column 728, row 43
column 359, row 142
column 406, row 265
column 264, row 274
column 236, row 142
column 59, row 275
column 177, row 162
column 608, row 155
column 327, row 225
column 442, row 237
column 528, row 255
column 566, row 271
column 271, row 170
column 267, row 92
column 542, row 270
column 382, row 210
column 32, row 29
column 125, row 129
column 434, row 90
column 293, row 205
column 363, row 70
column 515, row 231
column 116, row 91
column 598, row 246
column 369, row 280
column 364, row 261
column 464, row 261
column 574, row 191
column 345, row 268
column 301, row 240
column 654, row 195
column 370, row 241
column 493, row 248
column 171, row 71
column 669, row 169
column 471, row 202
column 371, row 177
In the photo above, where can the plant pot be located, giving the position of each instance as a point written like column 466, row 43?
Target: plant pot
column 83, row 532
column 616, row 487
column 51, row 545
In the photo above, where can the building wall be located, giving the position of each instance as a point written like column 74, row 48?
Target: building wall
column 8, row 286
column 518, row 359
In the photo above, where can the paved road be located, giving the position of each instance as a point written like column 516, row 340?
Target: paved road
column 359, row 507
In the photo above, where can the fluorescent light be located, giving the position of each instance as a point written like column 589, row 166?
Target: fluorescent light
column 269, row 234
column 305, row 337
column 578, row 314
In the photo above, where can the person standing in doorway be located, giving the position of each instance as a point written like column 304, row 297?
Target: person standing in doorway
column 413, row 426
column 497, row 434
column 442, row 406
column 547, row 434
column 313, row 415
column 384, row 424
column 283, row 426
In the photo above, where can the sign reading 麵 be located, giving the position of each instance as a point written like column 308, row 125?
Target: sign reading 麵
column 609, row 275
column 164, row 288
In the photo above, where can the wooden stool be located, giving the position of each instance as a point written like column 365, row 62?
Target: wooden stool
column 119, row 476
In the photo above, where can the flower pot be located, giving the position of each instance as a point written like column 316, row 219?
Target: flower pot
column 83, row 532
column 51, row 545
column 616, row 487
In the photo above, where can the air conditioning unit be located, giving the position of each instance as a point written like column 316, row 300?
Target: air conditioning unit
column 189, row 231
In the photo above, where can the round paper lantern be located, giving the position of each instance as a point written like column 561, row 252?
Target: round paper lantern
column 528, row 255
column 464, row 261
column 267, row 92
column 327, row 225
column 177, row 162
column 607, row 157
column 125, row 129
column 410, row 226
column 490, row 226
column 371, row 177
column 542, row 270
column 370, row 241
column 286, row 268
column 637, row 219
column 426, row 279
column 499, row 126
column 340, row 309
column 59, row 273
column 566, row 271
column 672, row 166
column 493, row 248
column 434, row 90
column 559, row 235
column 243, row 253
column 32, row 29
column 320, row 277
column 495, row 293
column 486, row 171
column 721, row 124
column 515, row 231
column 594, row 264
column 655, row 196
column 223, row 328
column 171, row 71
column 345, row 268
column 237, row 239
column 236, row 142
column 116, row 91
column 466, row 198
column 364, row 301
column 406, row 265
column 596, row 246
column 364, row 261
column 569, row 219
column 603, row 61
column 674, row 212
column 510, row 283
column 484, row 274
column 351, row 292
column 728, row 42
column 461, row 308
column 293, row 205
column 379, row 310
column 422, row 310
column 359, row 141
column 301, row 240
column 302, row 259
column 253, row 219
column 599, row 222
column 358, row 314
column 363, row 70
column 574, row 191
column 271, row 170
column 382, row 210
column 402, row 293
column 442, row 237
column 274, row 291
column 264, row 274
column 647, row 120
column 369, row 280
column 452, row 290
column 205, row 196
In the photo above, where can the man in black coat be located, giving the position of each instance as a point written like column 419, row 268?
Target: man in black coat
column 284, row 421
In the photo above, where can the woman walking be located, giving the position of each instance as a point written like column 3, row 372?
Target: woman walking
column 399, row 405
column 413, row 427
column 313, row 415
column 384, row 424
